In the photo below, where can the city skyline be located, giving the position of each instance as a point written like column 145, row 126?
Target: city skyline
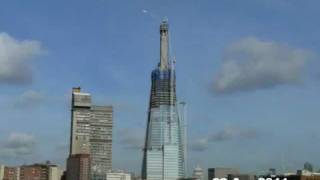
column 247, row 70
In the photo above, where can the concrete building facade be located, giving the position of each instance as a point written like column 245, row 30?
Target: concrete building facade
column 45, row 171
column 39, row 171
column 80, row 122
column 91, row 134
column 101, row 141
column 78, row 167
column 11, row 173
column 34, row 172
column 55, row 173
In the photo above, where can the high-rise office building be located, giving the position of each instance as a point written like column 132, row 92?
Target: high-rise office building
column 91, row 134
column 163, row 154
column 101, row 141
column 80, row 122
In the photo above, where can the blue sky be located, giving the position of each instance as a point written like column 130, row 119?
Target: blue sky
column 247, row 70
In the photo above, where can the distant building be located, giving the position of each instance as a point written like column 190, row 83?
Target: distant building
column 118, row 175
column 11, row 173
column 1, row 172
column 305, row 172
column 241, row 177
column 198, row 173
column 272, row 172
column 187, row 178
column 45, row 171
column 36, row 171
column 80, row 122
column 221, row 172
column 91, row 133
column 55, row 173
column 101, row 141
column 78, row 167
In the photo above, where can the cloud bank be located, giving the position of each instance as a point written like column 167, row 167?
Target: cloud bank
column 16, row 59
column 199, row 145
column 233, row 133
column 252, row 64
column 227, row 134
column 18, row 145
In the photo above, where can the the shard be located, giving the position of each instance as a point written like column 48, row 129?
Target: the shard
column 164, row 148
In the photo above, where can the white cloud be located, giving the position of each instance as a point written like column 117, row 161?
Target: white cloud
column 233, row 133
column 199, row 145
column 15, row 59
column 18, row 145
column 227, row 134
column 251, row 64
column 29, row 99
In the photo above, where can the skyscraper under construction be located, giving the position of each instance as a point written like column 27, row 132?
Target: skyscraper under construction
column 164, row 148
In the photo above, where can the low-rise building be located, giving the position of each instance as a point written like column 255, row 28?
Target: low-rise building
column 118, row 175
column 1, row 171
column 221, row 172
column 305, row 172
column 37, row 171
column 241, row 177
column 55, row 173
column 11, row 173
column 46, row 171
column 198, row 173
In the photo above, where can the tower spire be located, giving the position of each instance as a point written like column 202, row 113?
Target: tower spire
column 164, row 45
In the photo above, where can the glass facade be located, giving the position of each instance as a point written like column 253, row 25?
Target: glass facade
column 163, row 157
